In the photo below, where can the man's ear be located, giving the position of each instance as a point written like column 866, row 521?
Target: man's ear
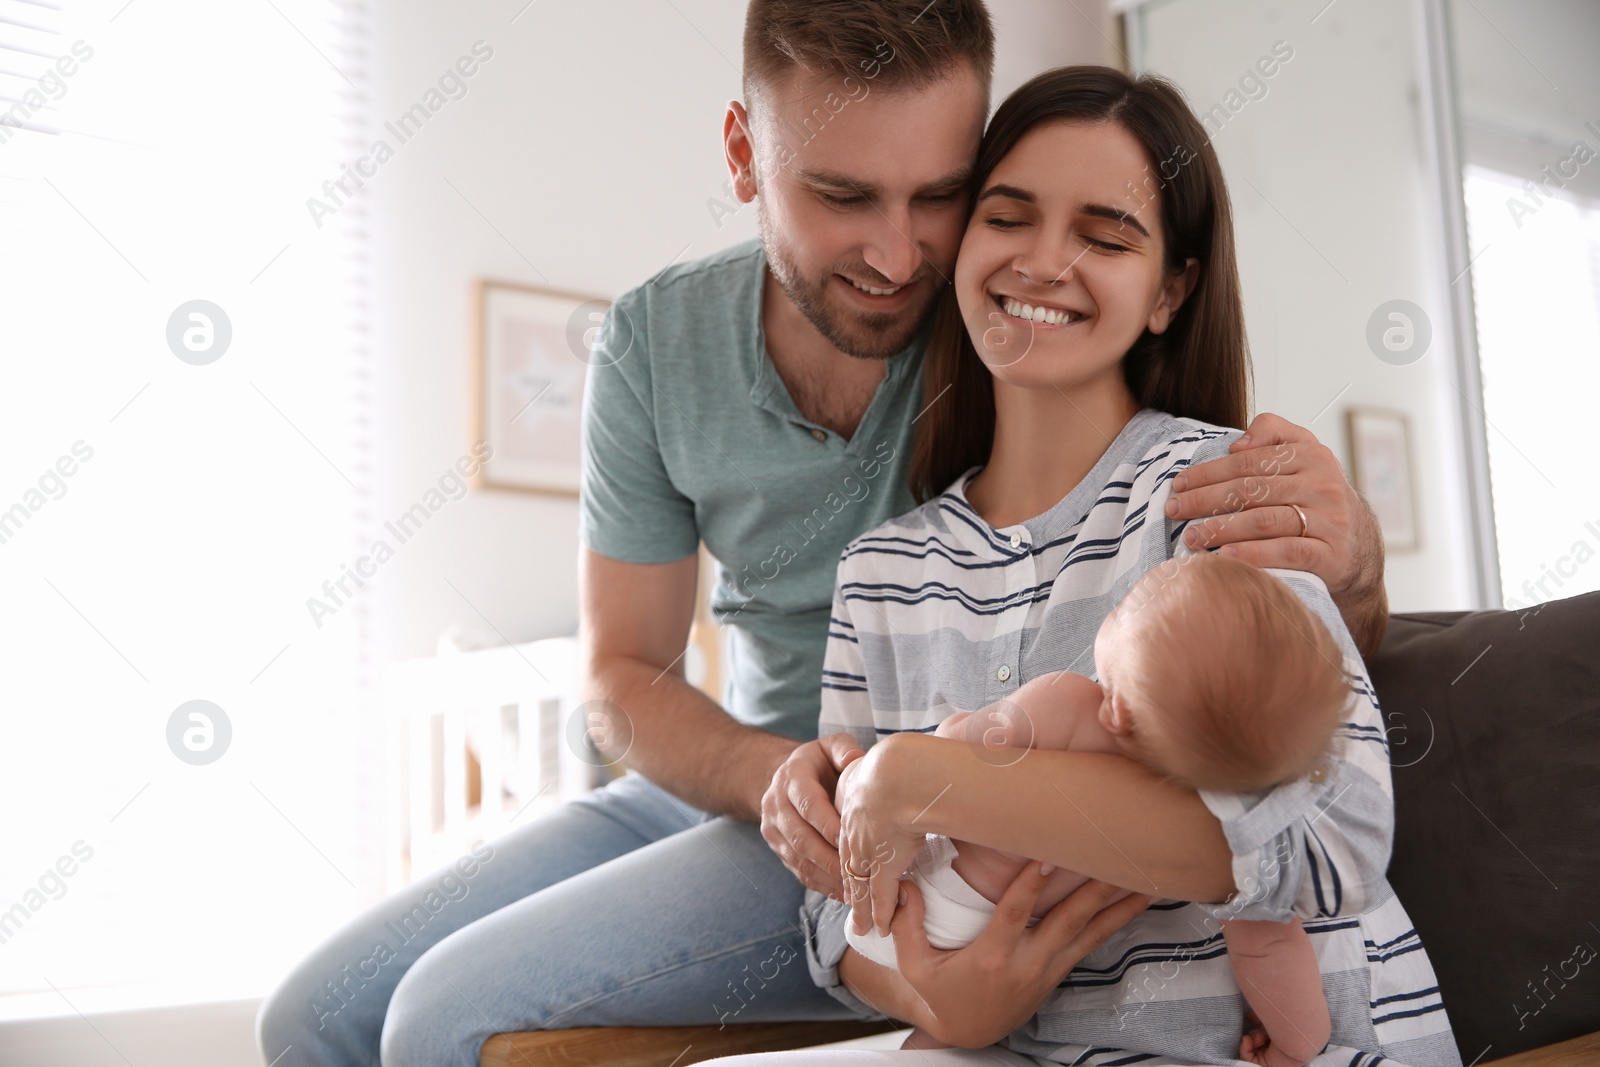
column 740, row 148
column 1175, row 289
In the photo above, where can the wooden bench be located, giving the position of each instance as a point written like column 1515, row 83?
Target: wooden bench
column 677, row 1046
column 664, row 1046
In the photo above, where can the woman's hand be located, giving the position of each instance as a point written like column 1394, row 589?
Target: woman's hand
column 873, row 848
column 975, row 996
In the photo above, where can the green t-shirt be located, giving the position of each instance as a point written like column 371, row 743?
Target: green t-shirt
column 689, row 435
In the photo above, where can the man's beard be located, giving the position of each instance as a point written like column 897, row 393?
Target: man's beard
column 863, row 334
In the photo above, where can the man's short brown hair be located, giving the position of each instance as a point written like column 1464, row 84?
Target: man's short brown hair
column 896, row 44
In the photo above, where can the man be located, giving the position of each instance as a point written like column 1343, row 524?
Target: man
column 761, row 400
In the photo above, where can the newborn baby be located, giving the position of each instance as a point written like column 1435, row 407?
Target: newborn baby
column 1213, row 674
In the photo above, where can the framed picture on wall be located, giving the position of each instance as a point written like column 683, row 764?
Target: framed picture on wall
column 1380, row 459
column 533, row 348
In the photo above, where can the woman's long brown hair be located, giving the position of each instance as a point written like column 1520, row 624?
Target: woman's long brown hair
column 1200, row 367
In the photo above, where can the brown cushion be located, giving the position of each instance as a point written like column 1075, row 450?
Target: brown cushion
column 1494, row 729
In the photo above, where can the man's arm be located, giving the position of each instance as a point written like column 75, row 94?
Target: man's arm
column 634, row 624
column 1245, row 502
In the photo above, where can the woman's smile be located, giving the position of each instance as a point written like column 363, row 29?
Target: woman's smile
column 1053, row 246
column 1040, row 315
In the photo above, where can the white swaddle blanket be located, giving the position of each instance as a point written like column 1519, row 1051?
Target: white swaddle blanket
column 954, row 912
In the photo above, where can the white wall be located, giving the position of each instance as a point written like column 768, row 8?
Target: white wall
column 213, row 1034
column 591, row 144
column 1336, row 212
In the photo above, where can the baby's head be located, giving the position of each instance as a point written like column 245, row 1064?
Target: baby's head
column 1216, row 675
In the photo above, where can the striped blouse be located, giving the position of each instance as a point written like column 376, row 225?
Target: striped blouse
column 937, row 611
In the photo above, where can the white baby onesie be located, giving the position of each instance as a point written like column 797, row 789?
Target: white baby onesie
column 954, row 912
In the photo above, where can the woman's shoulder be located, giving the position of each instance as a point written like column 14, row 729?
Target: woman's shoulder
column 1165, row 443
column 909, row 536
column 1190, row 437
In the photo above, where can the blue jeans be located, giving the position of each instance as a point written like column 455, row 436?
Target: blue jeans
column 625, row 907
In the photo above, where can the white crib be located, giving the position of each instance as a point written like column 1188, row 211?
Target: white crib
column 476, row 742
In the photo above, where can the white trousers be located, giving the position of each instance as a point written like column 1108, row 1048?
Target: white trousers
column 993, row 1056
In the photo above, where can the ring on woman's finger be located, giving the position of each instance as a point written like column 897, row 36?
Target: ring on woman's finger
column 858, row 877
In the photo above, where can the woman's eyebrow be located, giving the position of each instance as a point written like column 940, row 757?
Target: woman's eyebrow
column 1099, row 211
column 1105, row 211
column 1009, row 191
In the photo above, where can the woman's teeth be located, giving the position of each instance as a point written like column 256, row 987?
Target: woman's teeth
column 1050, row 316
column 874, row 292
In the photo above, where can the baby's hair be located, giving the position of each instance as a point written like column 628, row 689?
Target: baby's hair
column 1236, row 685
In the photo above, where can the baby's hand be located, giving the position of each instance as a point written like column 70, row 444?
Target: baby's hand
column 952, row 725
column 1003, row 724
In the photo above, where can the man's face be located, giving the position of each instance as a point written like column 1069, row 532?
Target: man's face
column 861, row 187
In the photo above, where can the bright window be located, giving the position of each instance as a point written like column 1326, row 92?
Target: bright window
column 163, row 521
column 1536, row 286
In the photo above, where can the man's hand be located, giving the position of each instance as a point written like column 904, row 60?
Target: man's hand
column 798, row 818
column 974, row 996
column 1246, row 502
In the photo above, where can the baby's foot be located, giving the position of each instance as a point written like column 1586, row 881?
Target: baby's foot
column 1257, row 1047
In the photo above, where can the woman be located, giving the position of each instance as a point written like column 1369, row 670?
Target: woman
column 1091, row 348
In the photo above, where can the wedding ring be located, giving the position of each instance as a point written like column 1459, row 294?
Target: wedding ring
column 857, row 877
column 1302, row 515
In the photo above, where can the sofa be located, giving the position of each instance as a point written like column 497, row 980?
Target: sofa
column 1493, row 720
column 1494, row 730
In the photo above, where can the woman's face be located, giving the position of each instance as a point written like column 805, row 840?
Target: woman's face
column 1060, row 270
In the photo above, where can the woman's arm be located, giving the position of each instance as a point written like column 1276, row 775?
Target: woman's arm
column 1099, row 814
column 881, row 989
column 1314, row 847
column 974, row 996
